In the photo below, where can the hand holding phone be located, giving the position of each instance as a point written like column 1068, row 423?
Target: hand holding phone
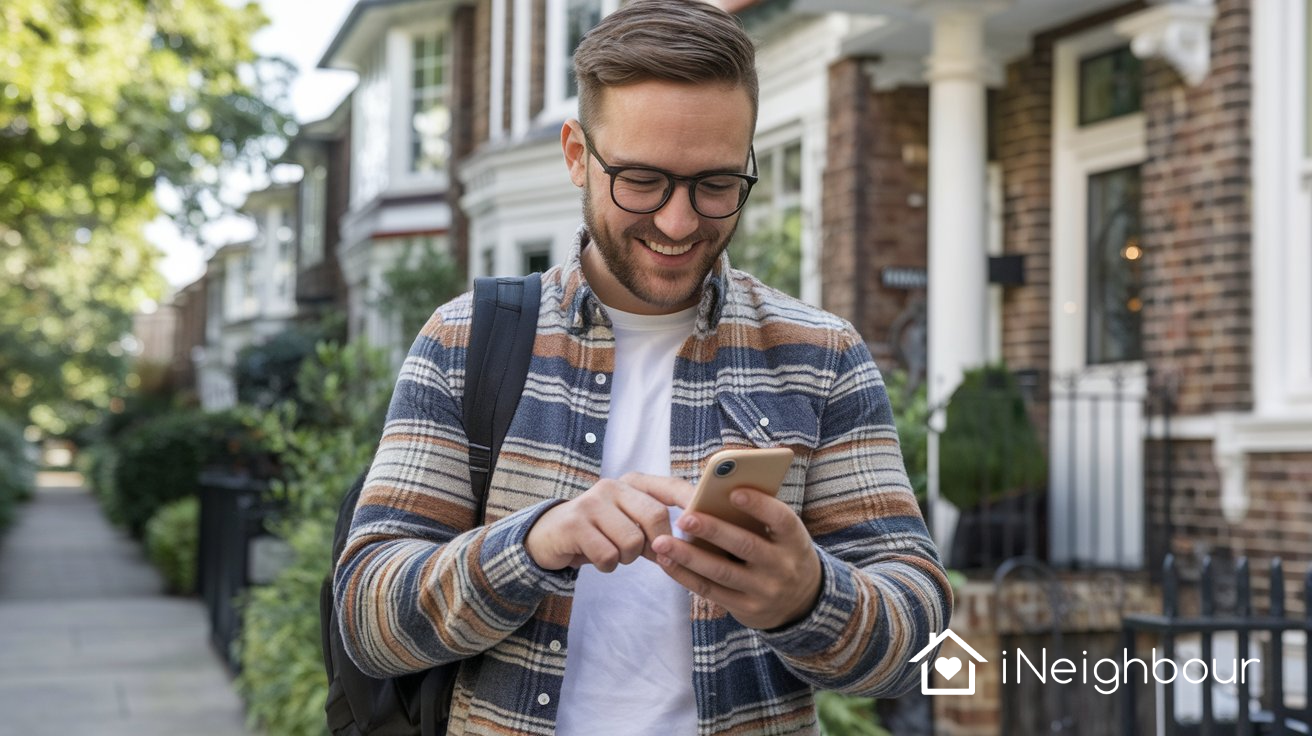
column 760, row 469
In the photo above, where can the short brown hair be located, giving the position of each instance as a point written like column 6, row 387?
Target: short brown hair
column 670, row 40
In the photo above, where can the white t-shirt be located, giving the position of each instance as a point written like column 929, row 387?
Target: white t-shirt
column 629, row 666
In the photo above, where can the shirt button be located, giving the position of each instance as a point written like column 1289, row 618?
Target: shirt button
column 601, row 379
column 590, row 438
column 765, row 421
column 555, row 645
column 543, row 699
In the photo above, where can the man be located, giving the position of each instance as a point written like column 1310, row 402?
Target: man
column 577, row 605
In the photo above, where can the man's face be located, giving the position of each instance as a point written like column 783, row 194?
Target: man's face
column 655, row 263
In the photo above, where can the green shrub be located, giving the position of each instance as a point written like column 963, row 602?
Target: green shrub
column 323, row 442
column 17, row 470
column 172, row 543
column 847, row 715
column 282, row 678
column 990, row 447
column 911, row 414
column 98, row 463
column 160, row 460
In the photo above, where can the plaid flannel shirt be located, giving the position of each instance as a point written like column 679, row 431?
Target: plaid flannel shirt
column 421, row 582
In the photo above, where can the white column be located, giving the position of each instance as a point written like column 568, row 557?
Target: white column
column 521, row 74
column 958, row 258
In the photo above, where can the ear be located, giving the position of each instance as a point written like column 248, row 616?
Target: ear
column 576, row 153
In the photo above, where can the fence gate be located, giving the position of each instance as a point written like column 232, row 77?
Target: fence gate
column 1238, row 670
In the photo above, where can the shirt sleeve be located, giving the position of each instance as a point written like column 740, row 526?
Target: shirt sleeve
column 884, row 592
column 420, row 582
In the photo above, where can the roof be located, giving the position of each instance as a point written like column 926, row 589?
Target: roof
column 937, row 639
column 368, row 20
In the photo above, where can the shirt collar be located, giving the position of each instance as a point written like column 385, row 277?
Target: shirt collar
column 583, row 309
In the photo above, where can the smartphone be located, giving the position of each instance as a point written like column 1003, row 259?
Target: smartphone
column 761, row 469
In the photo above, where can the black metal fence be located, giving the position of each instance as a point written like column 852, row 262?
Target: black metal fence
column 233, row 513
column 1254, row 686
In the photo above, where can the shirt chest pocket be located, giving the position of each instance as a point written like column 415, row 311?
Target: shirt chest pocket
column 773, row 421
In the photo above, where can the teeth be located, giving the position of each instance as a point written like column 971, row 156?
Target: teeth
column 667, row 250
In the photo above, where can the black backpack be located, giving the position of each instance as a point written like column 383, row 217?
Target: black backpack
column 500, row 347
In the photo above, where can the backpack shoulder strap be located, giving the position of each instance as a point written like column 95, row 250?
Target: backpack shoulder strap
column 505, row 323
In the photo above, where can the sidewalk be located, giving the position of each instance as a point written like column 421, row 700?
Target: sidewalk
column 88, row 642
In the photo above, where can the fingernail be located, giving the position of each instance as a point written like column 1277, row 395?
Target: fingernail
column 688, row 523
column 739, row 498
column 661, row 545
column 664, row 561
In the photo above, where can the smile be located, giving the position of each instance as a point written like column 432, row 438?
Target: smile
column 667, row 250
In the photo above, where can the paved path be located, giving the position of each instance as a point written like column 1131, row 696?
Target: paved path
column 89, row 644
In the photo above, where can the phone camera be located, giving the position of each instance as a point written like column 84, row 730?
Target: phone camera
column 725, row 468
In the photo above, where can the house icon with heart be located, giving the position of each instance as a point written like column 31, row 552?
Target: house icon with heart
column 947, row 666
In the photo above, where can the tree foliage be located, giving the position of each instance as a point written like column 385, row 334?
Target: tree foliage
column 100, row 102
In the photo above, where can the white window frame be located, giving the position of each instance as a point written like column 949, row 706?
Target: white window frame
column 1282, row 214
column 400, row 59
column 556, row 105
column 767, row 145
column 314, row 202
column 371, row 133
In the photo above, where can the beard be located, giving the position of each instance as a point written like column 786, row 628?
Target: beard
column 667, row 290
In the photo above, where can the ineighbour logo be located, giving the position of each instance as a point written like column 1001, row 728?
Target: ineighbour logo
column 1110, row 674
column 947, row 666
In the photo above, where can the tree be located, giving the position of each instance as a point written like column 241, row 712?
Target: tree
column 101, row 101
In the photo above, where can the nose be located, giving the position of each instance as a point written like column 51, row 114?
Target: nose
column 677, row 219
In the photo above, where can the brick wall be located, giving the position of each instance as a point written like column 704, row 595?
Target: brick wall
column 1278, row 522
column 846, row 183
column 1022, row 124
column 482, row 71
column 537, row 92
column 464, row 68
column 507, row 90
column 1197, row 223
column 874, row 217
column 898, row 227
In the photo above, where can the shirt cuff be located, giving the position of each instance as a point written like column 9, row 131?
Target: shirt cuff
column 509, row 569
column 819, row 631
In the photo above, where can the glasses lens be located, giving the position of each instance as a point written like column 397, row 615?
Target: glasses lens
column 720, row 196
column 639, row 190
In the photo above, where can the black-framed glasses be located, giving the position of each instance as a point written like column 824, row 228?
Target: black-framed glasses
column 643, row 190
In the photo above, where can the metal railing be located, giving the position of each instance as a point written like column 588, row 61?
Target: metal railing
column 1254, row 712
column 1092, row 508
column 232, row 514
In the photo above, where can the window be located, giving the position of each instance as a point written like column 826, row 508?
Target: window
column 1111, row 85
column 430, row 118
column 769, row 243
column 567, row 22
column 580, row 17
column 1115, row 257
column 537, row 257
column 370, row 136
